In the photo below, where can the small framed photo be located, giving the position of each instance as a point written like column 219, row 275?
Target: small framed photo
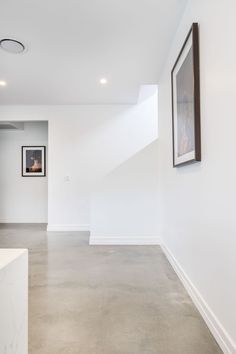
column 186, row 102
column 33, row 161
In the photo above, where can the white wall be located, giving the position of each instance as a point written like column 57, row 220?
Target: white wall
column 124, row 204
column 198, row 201
column 85, row 144
column 21, row 199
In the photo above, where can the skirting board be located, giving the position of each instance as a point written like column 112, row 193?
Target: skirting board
column 122, row 241
column 68, row 227
column 22, row 221
column 222, row 337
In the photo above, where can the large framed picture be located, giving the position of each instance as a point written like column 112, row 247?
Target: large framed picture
column 185, row 83
column 33, row 161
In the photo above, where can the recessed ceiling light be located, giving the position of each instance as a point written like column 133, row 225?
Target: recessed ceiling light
column 12, row 45
column 3, row 83
column 103, row 81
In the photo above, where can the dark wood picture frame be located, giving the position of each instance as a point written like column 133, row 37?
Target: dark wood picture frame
column 194, row 155
column 44, row 166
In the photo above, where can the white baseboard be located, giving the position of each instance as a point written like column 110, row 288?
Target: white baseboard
column 68, row 227
column 21, row 221
column 122, row 241
column 222, row 337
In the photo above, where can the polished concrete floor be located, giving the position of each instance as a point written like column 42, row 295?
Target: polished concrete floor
column 106, row 299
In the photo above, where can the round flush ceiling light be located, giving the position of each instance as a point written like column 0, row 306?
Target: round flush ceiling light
column 12, row 45
column 3, row 83
column 103, row 81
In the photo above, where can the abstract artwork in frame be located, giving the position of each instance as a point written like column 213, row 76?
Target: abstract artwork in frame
column 33, row 161
column 186, row 102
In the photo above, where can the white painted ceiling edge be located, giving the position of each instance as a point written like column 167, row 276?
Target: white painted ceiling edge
column 72, row 44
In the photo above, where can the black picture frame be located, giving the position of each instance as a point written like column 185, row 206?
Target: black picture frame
column 40, row 169
column 185, row 90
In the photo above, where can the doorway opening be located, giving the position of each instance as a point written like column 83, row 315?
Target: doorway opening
column 23, row 172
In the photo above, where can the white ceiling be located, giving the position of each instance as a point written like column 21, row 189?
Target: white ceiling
column 71, row 44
